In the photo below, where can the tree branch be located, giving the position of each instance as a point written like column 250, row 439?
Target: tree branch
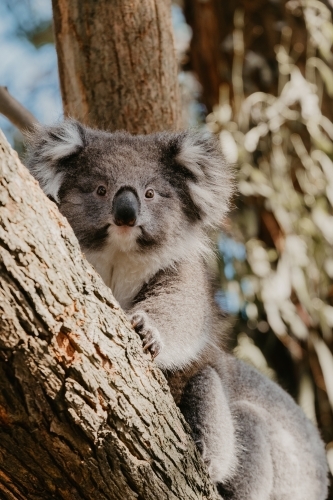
column 17, row 114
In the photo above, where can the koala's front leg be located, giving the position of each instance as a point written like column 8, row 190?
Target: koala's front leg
column 151, row 338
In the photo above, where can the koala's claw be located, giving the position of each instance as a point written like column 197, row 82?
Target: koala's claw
column 152, row 344
column 150, row 335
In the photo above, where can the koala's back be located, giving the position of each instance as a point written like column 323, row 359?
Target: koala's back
column 268, row 419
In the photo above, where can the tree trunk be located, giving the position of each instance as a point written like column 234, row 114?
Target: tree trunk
column 117, row 63
column 84, row 413
column 205, row 49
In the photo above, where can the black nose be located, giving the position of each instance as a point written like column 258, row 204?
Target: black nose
column 125, row 208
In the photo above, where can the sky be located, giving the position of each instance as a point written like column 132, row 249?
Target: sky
column 30, row 73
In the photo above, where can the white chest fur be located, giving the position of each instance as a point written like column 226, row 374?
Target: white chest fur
column 125, row 273
column 125, row 269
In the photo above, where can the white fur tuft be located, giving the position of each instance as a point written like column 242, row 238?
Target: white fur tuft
column 47, row 145
column 63, row 142
column 50, row 182
column 190, row 155
column 213, row 187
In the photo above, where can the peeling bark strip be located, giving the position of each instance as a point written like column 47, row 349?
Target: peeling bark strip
column 117, row 63
column 84, row 413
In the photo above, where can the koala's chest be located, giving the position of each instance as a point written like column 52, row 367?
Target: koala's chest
column 125, row 282
column 123, row 273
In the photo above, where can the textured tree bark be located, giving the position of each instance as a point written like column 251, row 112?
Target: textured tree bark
column 117, row 63
column 84, row 413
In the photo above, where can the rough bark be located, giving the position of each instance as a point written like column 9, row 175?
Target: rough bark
column 84, row 413
column 117, row 63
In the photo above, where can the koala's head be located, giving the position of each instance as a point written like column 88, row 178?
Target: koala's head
column 138, row 193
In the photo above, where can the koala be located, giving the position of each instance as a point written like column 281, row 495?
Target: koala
column 141, row 208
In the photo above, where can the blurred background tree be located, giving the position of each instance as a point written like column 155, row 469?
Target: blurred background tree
column 259, row 75
column 117, row 64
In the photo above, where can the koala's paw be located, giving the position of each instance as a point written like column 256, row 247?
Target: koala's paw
column 214, row 463
column 151, row 339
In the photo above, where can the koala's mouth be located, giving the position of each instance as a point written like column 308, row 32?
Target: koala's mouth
column 129, row 238
column 123, row 229
column 124, row 238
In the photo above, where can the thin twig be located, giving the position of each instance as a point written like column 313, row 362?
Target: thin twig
column 15, row 112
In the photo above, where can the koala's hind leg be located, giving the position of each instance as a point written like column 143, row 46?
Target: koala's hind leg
column 205, row 408
column 234, row 442
column 253, row 479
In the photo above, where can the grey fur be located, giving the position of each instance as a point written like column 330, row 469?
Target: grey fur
column 256, row 441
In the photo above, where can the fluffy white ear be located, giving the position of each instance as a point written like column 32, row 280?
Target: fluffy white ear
column 47, row 146
column 211, row 184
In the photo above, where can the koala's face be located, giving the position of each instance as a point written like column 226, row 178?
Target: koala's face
column 116, row 191
column 138, row 193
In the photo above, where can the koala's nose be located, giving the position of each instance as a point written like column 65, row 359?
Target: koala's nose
column 125, row 208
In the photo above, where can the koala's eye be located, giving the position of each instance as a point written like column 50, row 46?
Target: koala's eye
column 101, row 191
column 149, row 193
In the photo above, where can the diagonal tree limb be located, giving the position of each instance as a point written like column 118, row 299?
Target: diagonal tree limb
column 84, row 413
column 17, row 114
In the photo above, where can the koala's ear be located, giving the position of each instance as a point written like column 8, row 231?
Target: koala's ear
column 47, row 146
column 210, row 180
